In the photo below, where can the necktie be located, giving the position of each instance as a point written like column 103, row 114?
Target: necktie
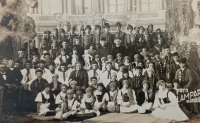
column 108, row 74
column 27, row 75
column 94, row 73
column 64, row 76
column 77, row 74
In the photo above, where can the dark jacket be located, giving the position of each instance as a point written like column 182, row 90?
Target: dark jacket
column 81, row 78
column 57, row 90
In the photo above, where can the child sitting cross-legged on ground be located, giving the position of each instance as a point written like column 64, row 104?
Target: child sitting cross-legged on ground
column 87, row 103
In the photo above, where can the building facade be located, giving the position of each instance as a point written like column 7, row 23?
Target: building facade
column 50, row 14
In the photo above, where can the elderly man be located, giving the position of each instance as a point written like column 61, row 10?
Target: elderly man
column 118, row 48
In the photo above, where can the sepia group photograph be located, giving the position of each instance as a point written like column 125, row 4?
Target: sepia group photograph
column 99, row 61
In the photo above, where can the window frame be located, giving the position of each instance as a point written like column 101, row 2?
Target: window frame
column 83, row 10
column 116, row 7
column 148, row 4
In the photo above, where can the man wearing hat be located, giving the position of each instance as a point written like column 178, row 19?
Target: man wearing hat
column 104, row 49
column 174, row 66
column 94, row 72
column 97, row 35
column 72, row 36
column 55, row 36
column 37, row 85
column 66, row 47
column 184, row 74
column 118, row 48
column 107, row 36
column 88, row 37
column 128, row 36
column 28, row 73
column 119, row 33
column 105, row 77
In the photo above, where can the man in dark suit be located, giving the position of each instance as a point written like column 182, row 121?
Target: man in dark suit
column 72, row 36
column 174, row 66
column 88, row 38
column 97, row 35
column 104, row 49
column 109, row 38
column 119, row 33
column 15, row 72
column 80, row 75
column 118, row 48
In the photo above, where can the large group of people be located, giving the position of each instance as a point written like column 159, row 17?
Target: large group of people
column 78, row 74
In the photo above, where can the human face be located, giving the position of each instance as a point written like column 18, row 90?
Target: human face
column 63, row 89
column 147, row 58
column 17, row 65
column 47, row 90
column 35, row 58
column 130, row 30
column 119, row 58
column 175, row 58
column 73, row 85
column 141, row 31
column 118, row 28
column 94, row 81
column 176, row 85
column 94, row 66
column 125, row 85
column 133, row 39
column 89, row 94
column 3, row 68
column 70, row 96
column 78, row 92
column 141, row 64
column 138, row 72
column 106, row 30
column 145, row 86
column 63, row 68
column 21, row 54
column 151, row 65
column 113, row 77
column 162, row 87
column 125, row 75
column 39, row 74
column 150, row 73
column 103, row 43
column 62, row 52
column 77, row 42
column 97, row 59
column 55, row 32
column 55, row 78
column 54, row 45
column 75, row 52
column 144, row 49
column 150, row 29
column 117, row 42
column 182, row 65
column 112, row 88
column 147, row 37
column 108, row 66
column 52, row 67
column 86, row 51
column 87, row 31
column 28, row 65
column 121, row 68
column 41, row 65
column 47, row 57
column 78, row 66
column 126, row 60
column 64, row 44
column 167, row 51
column 99, row 88
column 11, row 63
column 97, row 31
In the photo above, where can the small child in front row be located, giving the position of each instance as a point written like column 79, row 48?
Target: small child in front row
column 101, row 98
column 112, row 103
column 87, row 103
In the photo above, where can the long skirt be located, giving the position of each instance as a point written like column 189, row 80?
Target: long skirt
column 131, row 108
column 144, row 107
column 171, row 113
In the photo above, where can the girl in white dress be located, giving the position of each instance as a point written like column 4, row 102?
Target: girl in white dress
column 126, row 99
column 87, row 58
column 166, row 104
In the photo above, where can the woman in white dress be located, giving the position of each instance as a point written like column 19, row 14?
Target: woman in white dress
column 126, row 99
column 166, row 104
